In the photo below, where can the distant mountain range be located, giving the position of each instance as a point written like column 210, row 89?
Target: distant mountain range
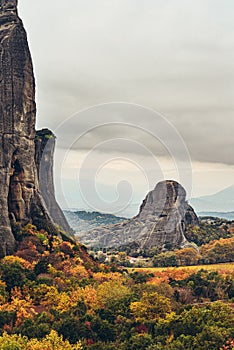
column 217, row 214
column 162, row 220
column 218, row 203
column 82, row 221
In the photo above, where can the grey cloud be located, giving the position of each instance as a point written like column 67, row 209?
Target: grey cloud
column 176, row 56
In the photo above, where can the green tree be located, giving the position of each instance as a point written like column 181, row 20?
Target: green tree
column 103, row 330
column 165, row 259
column 71, row 329
column 140, row 341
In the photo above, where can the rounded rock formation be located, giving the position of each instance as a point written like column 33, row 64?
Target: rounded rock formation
column 161, row 222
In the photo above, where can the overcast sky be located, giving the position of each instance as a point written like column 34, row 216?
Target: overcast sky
column 172, row 56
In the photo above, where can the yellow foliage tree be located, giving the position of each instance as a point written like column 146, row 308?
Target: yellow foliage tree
column 79, row 272
column 151, row 307
column 51, row 298
column 90, row 298
column 11, row 259
column 64, row 302
column 21, row 305
column 76, row 296
column 104, row 277
column 221, row 250
column 110, row 291
column 187, row 256
column 51, row 342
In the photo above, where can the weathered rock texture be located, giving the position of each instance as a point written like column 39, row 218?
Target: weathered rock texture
column 20, row 197
column 44, row 157
column 161, row 222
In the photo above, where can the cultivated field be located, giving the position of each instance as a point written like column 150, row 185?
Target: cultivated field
column 222, row 268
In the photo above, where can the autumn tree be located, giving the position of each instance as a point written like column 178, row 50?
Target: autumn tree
column 50, row 342
column 150, row 307
column 109, row 292
column 221, row 250
column 187, row 256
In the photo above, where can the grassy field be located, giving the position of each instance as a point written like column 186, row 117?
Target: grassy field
column 224, row 267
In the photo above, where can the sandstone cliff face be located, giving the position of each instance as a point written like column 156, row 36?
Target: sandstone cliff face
column 166, row 208
column 44, row 157
column 20, row 197
column 161, row 222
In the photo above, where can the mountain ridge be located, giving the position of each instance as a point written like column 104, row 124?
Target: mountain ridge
column 82, row 220
column 221, row 201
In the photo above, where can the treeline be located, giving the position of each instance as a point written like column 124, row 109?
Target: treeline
column 219, row 251
column 209, row 229
column 214, row 240
column 210, row 242
column 214, row 252
column 53, row 296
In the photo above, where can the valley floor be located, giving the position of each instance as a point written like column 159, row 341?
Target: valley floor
column 221, row 268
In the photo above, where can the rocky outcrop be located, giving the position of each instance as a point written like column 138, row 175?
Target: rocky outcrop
column 166, row 208
column 20, row 197
column 44, row 157
column 161, row 222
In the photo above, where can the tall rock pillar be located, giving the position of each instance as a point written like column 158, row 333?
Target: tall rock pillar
column 20, row 197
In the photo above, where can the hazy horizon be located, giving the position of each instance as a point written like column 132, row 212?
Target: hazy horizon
column 174, row 57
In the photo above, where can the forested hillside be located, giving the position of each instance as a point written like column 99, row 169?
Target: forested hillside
column 54, row 296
